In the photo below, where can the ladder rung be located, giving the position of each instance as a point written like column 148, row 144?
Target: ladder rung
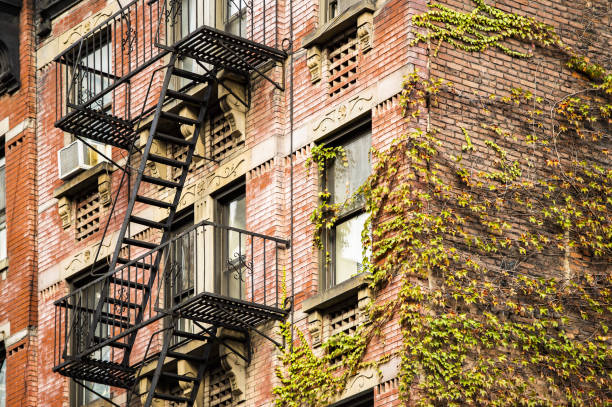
column 170, row 397
column 183, row 96
column 119, row 345
column 171, row 139
column 178, row 118
column 153, row 201
column 121, row 303
column 167, row 161
column 138, row 264
column 183, row 356
column 189, row 335
column 125, row 283
column 179, row 377
column 189, row 75
column 139, row 243
column 147, row 222
column 114, row 322
column 160, row 182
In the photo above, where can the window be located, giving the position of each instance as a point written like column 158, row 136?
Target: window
column 180, row 261
column 2, row 375
column 94, row 69
column 90, row 298
column 333, row 8
column 235, row 17
column 3, row 253
column 231, row 211
column 343, row 178
column 363, row 399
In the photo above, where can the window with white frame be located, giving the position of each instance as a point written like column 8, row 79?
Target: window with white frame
column 93, row 74
column 343, row 177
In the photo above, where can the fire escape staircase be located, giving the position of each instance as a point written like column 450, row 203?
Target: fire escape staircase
column 89, row 327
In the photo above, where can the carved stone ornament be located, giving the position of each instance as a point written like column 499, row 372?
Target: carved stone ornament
column 313, row 61
column 187, row 132
column 342, row 114
column 234, row 364
column 159, row 148
column 364, row 31
column 184, row 368
column 315, row 324
column 104, row 183
column 231, row 105
column 64, row 206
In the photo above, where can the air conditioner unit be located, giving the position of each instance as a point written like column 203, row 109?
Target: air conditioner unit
column 77, row 157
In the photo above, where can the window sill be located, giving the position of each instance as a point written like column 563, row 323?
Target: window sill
column 86, row 180
column 338, row 25
column 335, row 294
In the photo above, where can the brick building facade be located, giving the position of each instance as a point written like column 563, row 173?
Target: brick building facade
column 96, row 76
column 18, row 212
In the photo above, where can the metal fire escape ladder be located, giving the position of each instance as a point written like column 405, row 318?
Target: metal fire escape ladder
column 166, row 354
column 131, row 244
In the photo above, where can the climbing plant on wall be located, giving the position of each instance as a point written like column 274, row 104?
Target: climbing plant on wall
column 501, row 244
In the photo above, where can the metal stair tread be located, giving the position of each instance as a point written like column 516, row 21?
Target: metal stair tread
column 171, row 139
column 190, row 335
column 121, row 303
column 184, row 356
column 140, row 243
column 183, row 96
column 160, row 182
column 153, row 201
column 166, row 161
column 138, row 264
column 178, row 377
column 189, row 75
column 147, row 222
column 178, row 118
column 127, row 283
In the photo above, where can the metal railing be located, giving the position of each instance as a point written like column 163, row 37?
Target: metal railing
column 227, row 263
column 96, row 71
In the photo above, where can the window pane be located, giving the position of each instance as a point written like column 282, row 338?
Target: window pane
column 3, row 241
column 346, row 179
column 348, row 248
column 236, row 217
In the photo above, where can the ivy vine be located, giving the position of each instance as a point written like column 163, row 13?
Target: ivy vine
column 505, row 289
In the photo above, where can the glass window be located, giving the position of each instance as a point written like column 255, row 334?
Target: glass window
column 231, row 263
column 344, row 176
column 235, row 17
column 90, row 297
column 93, row 71
column 334, row 8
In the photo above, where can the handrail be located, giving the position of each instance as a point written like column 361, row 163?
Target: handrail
column 160, row 247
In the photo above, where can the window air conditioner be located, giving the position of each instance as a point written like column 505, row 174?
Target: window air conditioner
column 77, row 157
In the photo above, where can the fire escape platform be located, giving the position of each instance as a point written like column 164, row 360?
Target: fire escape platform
column 110, row 373
column 99, row 126
column 222, row 311
column 227, row 51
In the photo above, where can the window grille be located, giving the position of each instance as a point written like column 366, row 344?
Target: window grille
column 88, row 215
column 342, row 65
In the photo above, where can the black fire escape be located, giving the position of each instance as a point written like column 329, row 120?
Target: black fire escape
column 159, row 288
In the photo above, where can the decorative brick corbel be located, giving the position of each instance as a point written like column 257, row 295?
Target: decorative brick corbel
column 234, row 364
column 157, row 147
column 64, row 206
column 315, row 325
column 230, row 95
column 364, row 31
column 187, row 131
column 313, row 61
column 363, row 299
column 184, row 368
column 104, row 183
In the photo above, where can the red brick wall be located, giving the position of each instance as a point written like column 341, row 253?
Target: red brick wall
column 18, row 302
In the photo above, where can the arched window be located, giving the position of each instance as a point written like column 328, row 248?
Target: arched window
column 8, row 81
